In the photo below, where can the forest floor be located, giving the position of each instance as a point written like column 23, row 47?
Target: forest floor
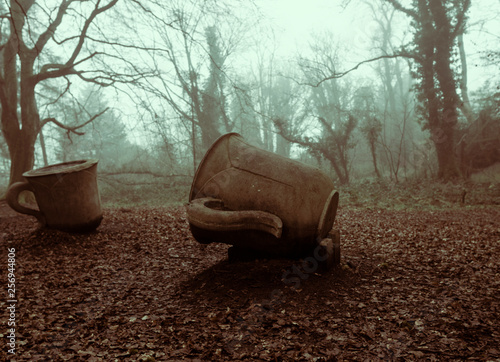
column 419, row 279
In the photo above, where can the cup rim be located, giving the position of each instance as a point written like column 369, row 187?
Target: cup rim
column 61, row 168
column 205, row 159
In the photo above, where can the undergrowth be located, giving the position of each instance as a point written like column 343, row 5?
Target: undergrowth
column 363, row 194
column 419, row 195
column 129, row 192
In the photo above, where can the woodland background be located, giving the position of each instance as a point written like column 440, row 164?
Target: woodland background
column 146, row 87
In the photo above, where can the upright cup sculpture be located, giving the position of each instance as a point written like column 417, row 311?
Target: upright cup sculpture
column 257, row 200
column 67, row 196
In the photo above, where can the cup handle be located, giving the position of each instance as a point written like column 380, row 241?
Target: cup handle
column 13, row 200
column 208, row 214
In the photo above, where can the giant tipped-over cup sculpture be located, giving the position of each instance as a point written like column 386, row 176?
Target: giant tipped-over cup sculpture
column 259, row 201
column 67, row 196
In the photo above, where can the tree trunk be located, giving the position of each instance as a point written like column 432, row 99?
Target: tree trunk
column 19, row 132
column 44, row 149
column 374, row 158
column 23, row 153
column 343, row 170
column 343, row 178
column 282, row 146
column 448, row 166
column 268, row 136
column 22, row 157
column 447, row 163
column 208, row 132
column 435, row 42
column 22, row 149
column 20, row 117
column 465, row 106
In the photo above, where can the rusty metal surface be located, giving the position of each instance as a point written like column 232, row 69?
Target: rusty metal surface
column 67, row 196
column 245, row 178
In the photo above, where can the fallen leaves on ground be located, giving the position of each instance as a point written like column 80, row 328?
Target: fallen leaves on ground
column 412, row 285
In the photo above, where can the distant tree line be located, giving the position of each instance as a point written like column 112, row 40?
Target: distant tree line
column 183, row 72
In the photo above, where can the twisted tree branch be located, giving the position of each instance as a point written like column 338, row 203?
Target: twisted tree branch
column 72, row 129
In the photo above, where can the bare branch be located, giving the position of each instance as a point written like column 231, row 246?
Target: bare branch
column 162, row 20
column 18, row 14
column 294, row 138
column 461, row 18
column 61, row 69
column 397, row 5
column 54, row 70
column 59, row 124
column 71, row 129
column 98, row 10
column 342, row 74
column 107, row 42
column 49, row 32
column 61, row 94
column 61, row 42
column 106, row 80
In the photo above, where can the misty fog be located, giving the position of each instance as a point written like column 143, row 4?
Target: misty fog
column 350, row 87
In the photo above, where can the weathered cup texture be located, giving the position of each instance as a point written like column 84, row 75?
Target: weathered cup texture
column 251, row 198
column 67, row 196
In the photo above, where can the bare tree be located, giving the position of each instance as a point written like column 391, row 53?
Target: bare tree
column 193, row 89
column 265, row 77
column 437, row 25
column 330, row 105
column 465, row 105
column 371, row 127
column 279, row 101
column 395, row 153
column 37, row 30
column 244, row 115
column 396, row 99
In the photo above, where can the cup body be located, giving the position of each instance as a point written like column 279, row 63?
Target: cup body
column 246, row 177
column 67, row 195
